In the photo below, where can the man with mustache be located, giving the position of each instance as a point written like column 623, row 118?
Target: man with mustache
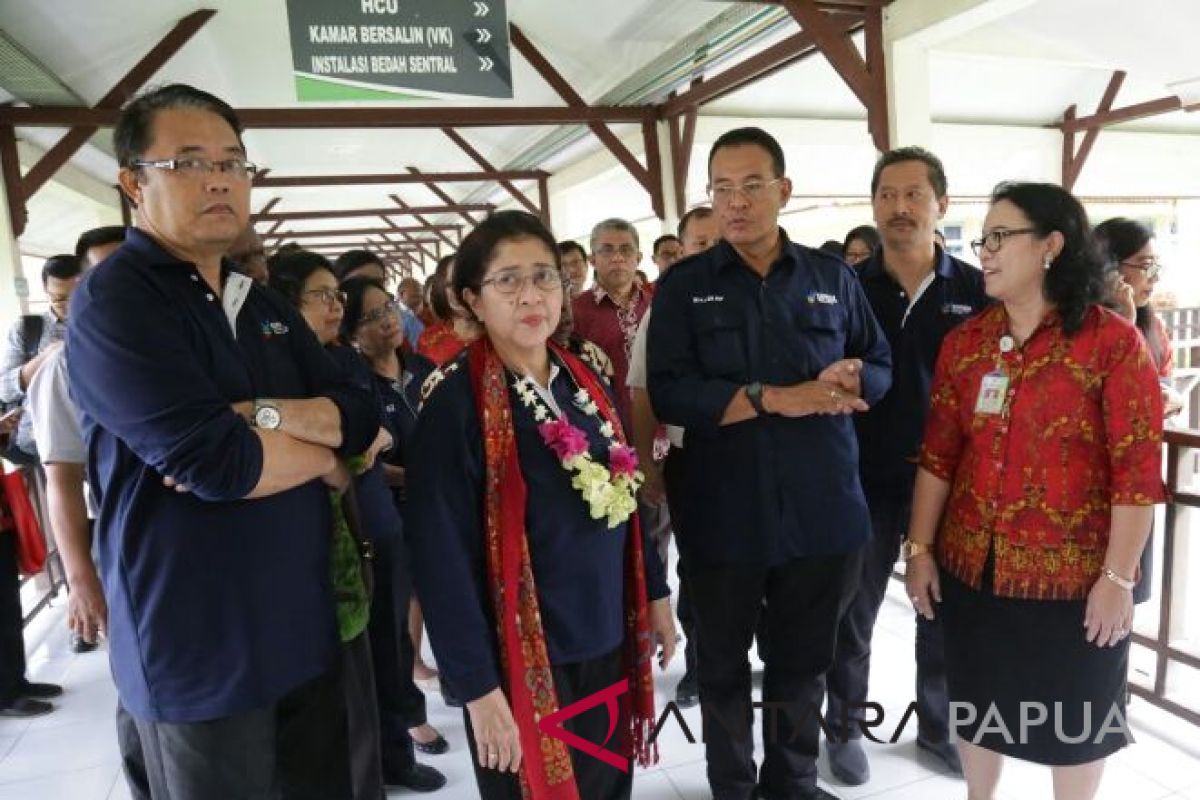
column 918, row 293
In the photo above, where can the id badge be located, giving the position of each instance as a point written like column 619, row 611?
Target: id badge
column 992, row 392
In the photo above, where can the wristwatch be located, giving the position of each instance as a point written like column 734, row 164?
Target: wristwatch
column 754, row 393
column 267, row 415
column 910, row 549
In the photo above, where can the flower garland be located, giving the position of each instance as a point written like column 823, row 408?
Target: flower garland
column 610, row 492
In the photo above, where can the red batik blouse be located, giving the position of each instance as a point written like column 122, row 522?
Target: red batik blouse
column 1079, row 429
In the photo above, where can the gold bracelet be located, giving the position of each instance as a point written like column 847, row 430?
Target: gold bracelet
column 1124, row 583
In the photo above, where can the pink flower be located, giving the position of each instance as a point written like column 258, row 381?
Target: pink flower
column 622, row 460
column 564, row 439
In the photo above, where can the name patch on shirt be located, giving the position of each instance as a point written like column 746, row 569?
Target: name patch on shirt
column 958, row 309
column 822, row 298
column 709, row 298
column 270, row 329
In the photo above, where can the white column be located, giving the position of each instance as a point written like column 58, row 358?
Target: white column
column 911, row 28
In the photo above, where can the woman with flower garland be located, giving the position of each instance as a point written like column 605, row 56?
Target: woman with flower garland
column 537, row 585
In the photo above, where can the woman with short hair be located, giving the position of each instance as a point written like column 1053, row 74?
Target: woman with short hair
column 537, row 584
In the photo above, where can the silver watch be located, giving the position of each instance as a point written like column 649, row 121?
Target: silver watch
column 267, row 415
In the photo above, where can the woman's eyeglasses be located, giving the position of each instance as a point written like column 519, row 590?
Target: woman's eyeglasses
column 1151, row 266
column 510, row 282
column 992, row 242
column 326, row 296
column 389, row 309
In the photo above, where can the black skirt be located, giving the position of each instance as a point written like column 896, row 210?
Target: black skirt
column 1010, row 662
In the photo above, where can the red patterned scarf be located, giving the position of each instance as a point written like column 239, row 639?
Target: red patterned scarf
column 546, row 772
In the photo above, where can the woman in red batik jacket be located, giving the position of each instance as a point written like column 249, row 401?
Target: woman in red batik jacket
column 1039, row 472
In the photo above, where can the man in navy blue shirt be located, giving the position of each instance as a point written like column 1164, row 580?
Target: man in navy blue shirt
column 760, row 348
column 214, row 424
column 918, row 293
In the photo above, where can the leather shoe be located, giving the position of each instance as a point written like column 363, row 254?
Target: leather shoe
column 42, row 691
column 417, row 778
column 687, row 692
column 945, row 753
column 848, row 761
column 434, row 747
column 23, row 707
column 80, row 644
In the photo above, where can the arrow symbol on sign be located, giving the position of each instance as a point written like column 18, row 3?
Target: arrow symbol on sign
column 485, row 64
column 484, row 35
column 481, row 9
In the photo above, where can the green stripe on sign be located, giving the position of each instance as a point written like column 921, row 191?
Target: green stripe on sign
column 315, row 89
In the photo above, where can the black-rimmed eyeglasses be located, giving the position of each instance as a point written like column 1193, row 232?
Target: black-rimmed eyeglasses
column 992, row 242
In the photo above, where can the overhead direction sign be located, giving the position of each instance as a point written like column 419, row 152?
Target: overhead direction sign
column 399, row 49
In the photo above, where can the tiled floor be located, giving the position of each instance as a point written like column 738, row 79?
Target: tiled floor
column 71, row 754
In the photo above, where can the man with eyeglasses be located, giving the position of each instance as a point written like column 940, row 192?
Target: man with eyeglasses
column 215, row 426
column 609, row 314
column 918, row 293
column 33, row 339
column 760, row 349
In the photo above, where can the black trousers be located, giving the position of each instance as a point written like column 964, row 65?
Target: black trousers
column 849, row 678
column 296, row 749
column 362, row 719
column 12, row 627
column 401, row 703
column 673, row 482
column 804, row 601
column 594, row 779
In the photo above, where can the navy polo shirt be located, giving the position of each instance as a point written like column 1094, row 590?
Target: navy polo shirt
column 378, row 517
column 217, row 605
column 399, row 402
column 889, row 435
column 767, row 489
column 578, row 562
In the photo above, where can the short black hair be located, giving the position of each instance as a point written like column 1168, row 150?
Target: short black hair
column 867, row 234
column 699, row 212
column 755, row 136
column 290, row 269
column 131, row 137
column 97, row 237
column 831, row 246
column 1074, row 280
column 572, row 246
column 933, row 164
column 351, row 260
column 660, row 241
column 356, row 290
column 63, row 267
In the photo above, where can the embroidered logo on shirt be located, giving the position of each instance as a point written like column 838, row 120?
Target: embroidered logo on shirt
column 822, row 298
column 435, row 378
column 957, row 308
column 270, row 329
column 711, row 298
